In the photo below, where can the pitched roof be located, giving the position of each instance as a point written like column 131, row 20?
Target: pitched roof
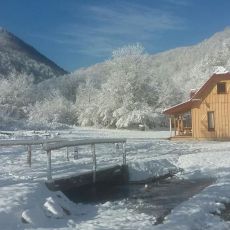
column 197, row 97
column 208, row 86
column 181, row 108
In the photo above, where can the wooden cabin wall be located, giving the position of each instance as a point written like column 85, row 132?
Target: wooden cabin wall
column 220, row 104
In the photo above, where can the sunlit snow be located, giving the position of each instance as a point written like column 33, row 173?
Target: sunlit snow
column 220, row 70
column 25, row 202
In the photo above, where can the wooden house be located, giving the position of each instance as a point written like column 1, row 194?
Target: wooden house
column 206, row 115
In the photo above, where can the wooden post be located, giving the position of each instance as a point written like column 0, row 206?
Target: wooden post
column 75, row 154
column 116, row 145
column 182, row 125
column 67, row 153
column 29, row 156
column 49, row 170
column 175, row 125
column 170, row 126
column 94, row 162
column 124, row 153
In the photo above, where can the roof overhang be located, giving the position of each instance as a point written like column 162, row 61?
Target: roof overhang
column 181, row 108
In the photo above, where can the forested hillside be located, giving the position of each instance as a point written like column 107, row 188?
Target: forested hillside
column 17, row 57
column 128, row 90
column 136, row 86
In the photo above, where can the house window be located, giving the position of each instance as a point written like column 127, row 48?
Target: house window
column 211, row 121
column 221, row 88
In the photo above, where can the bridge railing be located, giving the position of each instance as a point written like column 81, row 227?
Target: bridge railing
column 92, row 142
column 29, row 143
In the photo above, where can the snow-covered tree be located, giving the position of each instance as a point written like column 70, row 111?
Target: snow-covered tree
column 55, row 109
column 16, row 93
column 127, row 90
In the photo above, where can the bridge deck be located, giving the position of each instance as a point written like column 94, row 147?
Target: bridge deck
column 112, row 175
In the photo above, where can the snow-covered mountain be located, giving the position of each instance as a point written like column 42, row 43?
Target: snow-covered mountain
column 17, row 57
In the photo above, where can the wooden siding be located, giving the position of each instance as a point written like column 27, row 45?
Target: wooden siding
column 219, row 104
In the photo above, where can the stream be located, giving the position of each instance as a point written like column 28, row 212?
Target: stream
column 155, row 199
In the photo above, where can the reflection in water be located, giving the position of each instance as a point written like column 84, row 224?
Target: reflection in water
column 154, row 199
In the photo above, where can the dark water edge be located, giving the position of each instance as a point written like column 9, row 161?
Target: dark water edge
column 225, row 213
column 154, row 199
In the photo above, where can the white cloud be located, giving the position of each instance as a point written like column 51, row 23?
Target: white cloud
column 100, row 29
column 179, row 2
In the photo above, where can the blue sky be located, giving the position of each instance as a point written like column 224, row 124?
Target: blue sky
column 79, row 33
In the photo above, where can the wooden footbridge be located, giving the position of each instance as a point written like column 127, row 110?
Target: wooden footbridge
column 112, row 173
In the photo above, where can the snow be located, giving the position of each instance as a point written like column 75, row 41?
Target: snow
column 143, row 169
column 26, row 203
column 220, row 70
column 53, row 208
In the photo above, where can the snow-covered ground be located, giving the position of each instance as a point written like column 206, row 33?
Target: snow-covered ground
column 23, row 195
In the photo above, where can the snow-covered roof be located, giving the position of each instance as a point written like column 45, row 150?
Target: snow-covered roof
column 220, row 70
column 197, row 97
column 179, row 108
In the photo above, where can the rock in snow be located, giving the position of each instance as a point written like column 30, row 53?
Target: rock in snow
column 53, row 208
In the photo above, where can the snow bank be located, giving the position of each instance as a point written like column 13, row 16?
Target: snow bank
column 205, row 164
column 198, row 212
column 143, row 170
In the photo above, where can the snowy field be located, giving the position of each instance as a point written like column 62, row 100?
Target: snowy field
column 23, row 193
